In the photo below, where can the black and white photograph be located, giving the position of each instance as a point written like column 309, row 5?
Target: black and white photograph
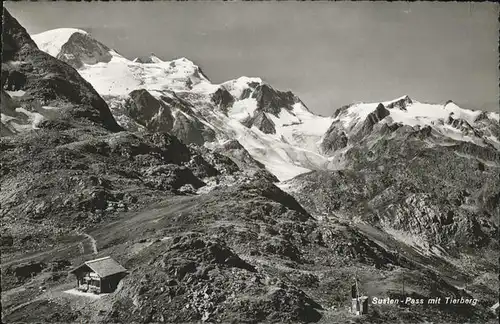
column 250, row 162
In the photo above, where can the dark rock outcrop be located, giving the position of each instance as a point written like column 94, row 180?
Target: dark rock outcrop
column 13, row 80
column 244, row 160
column 341, row 110
column 191, row 130
column 166, row 114
column 334, row 139
column 247, row 92
column 482, row 116
column 262, row 122
column 223, row 99
column 463, row 126
column 171, row 176
column 386, row 128
column 207, row 163
column 148, row 111
column 269, row 101
column 147, row 59
column 373, row 118
column 400, row 104
column 272, row 101
column 8, row 108
column 82, row 49
column 48, row 80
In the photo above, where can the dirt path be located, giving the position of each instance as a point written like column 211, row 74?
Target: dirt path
column 132, row 226
column 87, row 245
column 40, row 255
column 129, row 226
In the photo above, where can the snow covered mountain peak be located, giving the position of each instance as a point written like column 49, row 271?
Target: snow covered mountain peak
column 355, row 122
column 237, row 86
column 175, row 96
column 73, row 46
column 51, row 41
column 407, row 111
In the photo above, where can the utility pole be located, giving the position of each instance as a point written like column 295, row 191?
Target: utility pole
column 357, row 289
column 357, row 295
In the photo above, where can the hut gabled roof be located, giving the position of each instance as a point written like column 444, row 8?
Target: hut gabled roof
column 104, row 267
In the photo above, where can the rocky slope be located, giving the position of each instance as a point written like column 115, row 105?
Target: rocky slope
column 436, row 194
column 72, row 175
column 47, row 82
column 73, row 169
column 427, row 170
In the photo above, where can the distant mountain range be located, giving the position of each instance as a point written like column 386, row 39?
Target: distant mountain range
column 275, row 127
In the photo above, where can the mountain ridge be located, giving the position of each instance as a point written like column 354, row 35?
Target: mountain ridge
column 220, row 111
column 296, row 139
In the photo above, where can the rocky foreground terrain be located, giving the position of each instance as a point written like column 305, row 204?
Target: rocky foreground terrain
column 205, row 229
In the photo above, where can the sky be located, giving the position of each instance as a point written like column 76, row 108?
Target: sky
column 328, row 53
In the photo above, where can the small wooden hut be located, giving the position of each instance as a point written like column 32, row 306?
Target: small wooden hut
column 99, row 275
